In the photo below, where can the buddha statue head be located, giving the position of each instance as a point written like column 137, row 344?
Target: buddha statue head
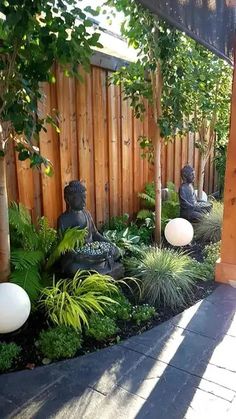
column 187, row 174
column 75, row 195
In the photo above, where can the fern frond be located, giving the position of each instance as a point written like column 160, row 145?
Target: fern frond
column 29, row 280
column 22, row 259
column 147, row 198
column 22, row 227
column 143, row 214
column 46, row 235
column 73, row 238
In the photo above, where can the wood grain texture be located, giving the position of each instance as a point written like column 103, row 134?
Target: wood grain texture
column 97, row 144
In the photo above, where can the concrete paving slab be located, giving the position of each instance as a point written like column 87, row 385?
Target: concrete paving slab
column 181, row 348
column 182, row 369
column 206, row 318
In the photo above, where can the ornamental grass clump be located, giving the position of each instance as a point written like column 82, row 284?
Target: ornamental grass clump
column 209, row 228
column 69, row 302
column 166, row 276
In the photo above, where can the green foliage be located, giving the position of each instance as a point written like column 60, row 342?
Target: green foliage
column 209, row 228
column 119, row 223
column 72, row 238
column 101, row 327
column 204, row 271
column 121, row 310
column 142, row 313
column 9, row 352
column 33, row 245
column 166, row 276
column 124, row 240
column 170, row 206
column 212, row 252
column 69, row 302
column 33, row 37
column 59, row 342
column 220, row 165
column 26, row 235
column 30, row 247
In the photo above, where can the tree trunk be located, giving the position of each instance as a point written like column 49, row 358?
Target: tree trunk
column 157, row 92
column 4, row 225
column 157, row 180
column 202, row 164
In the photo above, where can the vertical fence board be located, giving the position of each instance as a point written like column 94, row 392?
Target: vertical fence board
column 127, row 158
column 11, row 173
column 138, row 161
column 100, row 145
column 84, row 112
column 177, row 162
column 50, row 148
column 68, row 140
column 114, row 140
column 170, row 162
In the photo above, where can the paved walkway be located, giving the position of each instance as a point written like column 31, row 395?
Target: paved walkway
column 182, row 369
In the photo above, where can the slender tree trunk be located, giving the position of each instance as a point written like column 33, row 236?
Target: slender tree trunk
column 157, row 92
column 202, row 164
column 4, row 225
column 157, row 180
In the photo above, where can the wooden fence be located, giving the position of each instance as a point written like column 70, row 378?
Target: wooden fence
column 97, row 144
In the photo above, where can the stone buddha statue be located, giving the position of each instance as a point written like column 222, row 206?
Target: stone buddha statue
column 190, row 208
column 98, row 253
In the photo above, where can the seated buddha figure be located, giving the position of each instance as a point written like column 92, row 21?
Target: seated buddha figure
column 98, row 253
column 190, row 208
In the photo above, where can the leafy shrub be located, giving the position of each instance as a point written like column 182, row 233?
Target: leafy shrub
column 124, row 240
column 206, row 269
column 120, row 311
column 148, row 195
column 209, row 228
column 119, row 223
column 212, row 252
column 59, row 342
column 166, row 276
column 8, row 353
column 69, row 302
column 101, row 327
column 203, row 270
column 142, row 313
column 170, row 206
column 32, row 245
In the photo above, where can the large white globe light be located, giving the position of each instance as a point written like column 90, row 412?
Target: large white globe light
column 179, row 232
column 204, row 195
column 14, row 307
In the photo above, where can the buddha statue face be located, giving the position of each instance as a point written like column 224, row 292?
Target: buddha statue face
column 75, row 195
column 188, row 174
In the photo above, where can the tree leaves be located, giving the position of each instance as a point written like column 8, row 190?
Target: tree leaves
column 32, row 38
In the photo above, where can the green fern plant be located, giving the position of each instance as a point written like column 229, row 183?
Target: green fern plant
column 33, row 245
column 70, row 302
column 72, row 238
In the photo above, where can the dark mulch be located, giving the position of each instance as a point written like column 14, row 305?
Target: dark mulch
column 27, row 336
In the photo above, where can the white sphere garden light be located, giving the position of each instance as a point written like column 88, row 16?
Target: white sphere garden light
column 14, row 307
column 179, row 232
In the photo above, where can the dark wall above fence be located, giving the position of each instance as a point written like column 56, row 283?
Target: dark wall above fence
column 210, row 22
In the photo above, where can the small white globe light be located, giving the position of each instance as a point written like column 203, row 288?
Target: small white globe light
column 14, row 307
column 179, row 232
column 204, row 195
